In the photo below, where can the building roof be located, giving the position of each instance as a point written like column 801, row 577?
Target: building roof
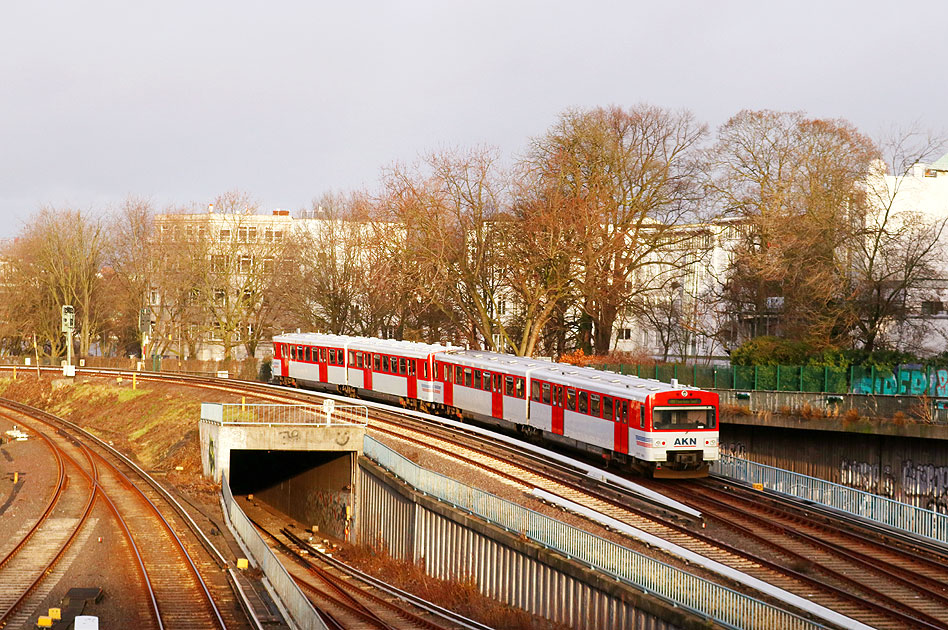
column 941, row 164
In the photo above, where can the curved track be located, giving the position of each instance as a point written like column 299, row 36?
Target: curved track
column 172, row 590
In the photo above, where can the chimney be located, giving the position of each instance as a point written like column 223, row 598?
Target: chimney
column 210, row 208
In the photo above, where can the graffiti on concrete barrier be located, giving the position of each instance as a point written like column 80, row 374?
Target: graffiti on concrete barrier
column 867, row 477
column 211, row 458
column 733, row 449
column 926, row 485
column 905, row 381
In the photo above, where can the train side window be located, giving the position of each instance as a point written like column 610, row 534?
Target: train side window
column 519, row 386
column 477, row 379
column 467, row 377
column 509, row 385
column 385, row 363
column 377, row 362
column 624, row 414
column 486, row 382
column 594, row 405
column 546, row 393
column 607, row 408
column 642, row 416
column 424, row 369
column 411, row 367
column 332, row 356
column 352, row 357
column 458, row 375
column 571, row 399
column 402, row 367
column 583, row 402
column 535, row 390
column 359, row 360
column 322, row 355
column 497, row 383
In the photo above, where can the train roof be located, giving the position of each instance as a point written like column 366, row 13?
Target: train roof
column 367, row 344
column 608, row 383
column 486, row 360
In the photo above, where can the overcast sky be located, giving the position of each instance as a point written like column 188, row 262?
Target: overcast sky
column 180, row 101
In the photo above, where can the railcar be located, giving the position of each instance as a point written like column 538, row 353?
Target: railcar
column 658, row 428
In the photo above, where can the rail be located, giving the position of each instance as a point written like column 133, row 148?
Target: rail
column 269, row 414
column 695, row 594
column 908, row 518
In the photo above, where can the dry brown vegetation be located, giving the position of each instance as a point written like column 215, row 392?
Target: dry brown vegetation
column 461, row 596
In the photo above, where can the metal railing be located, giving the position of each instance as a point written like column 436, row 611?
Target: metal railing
column 695, row 594
column 332, row 414
column 293, row 599
column 911, row 519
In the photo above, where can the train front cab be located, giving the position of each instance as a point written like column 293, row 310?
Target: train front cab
column 683, row 430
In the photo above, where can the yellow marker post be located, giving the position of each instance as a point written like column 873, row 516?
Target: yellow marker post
column 242, row 563
column 55, row 614
column 44, row 622
column 758, row 486
column 243, row 403
column 16, row 478
column 134, row 381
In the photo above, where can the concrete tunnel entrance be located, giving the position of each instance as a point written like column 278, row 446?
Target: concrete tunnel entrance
column 313, row 487
column 300, row 459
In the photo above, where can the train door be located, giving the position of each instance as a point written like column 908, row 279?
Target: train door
column 366, row 369
column 284, row 360
column 412, row 376
column 445, row 375
column 323, row 369
column 556, row 409
column 621, row 418
column 496, row 396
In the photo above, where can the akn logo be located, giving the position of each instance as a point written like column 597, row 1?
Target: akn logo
column 686, row 441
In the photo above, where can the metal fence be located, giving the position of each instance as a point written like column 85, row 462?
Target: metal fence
column 296, row 603
column 915, row 520
column 698, row 595
column 901, row 381
column 285, row 414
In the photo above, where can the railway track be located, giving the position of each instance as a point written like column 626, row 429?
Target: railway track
column 867, row 593
column 345, row 596
column 177, row 583
column 910, row 579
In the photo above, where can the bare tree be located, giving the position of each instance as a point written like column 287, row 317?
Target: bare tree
column 450, row 210
column 898, row 249
column 794, row 185
column 631, row 175
column 56, row 261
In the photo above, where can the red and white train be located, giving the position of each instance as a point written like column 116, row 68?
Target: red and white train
column 662, row 429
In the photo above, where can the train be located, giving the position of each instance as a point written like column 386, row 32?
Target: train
column 662, row 430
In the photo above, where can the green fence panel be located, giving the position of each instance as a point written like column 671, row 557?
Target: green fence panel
column 704, row 376
column 767, row 377
column 812, row 378
column 745, row 377
column 789, row 378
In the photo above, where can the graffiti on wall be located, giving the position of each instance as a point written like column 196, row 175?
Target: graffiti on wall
column 868, row 477
column 732, row 449
column 921, row 485
column 926, row 485
column 910, row 381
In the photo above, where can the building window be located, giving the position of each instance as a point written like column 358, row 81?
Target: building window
column 225, row 234
column 246, row 262
column 932, row 307
column 268, row 265
column 625, row 334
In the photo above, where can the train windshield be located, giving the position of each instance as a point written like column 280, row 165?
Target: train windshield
column 680, row 419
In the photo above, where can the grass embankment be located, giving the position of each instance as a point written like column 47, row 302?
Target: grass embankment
column 155, row 424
